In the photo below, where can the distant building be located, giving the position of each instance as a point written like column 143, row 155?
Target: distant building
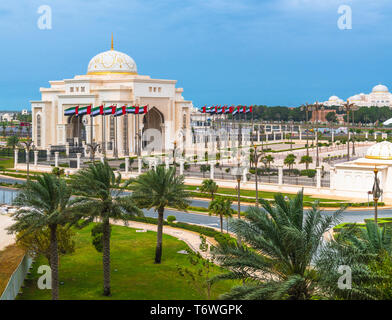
column 379, row 97
column 321, row 115
column 24, row 112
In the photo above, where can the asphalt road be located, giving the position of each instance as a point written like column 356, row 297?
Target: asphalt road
column 7, row 195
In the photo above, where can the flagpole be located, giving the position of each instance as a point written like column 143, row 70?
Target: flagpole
column 104, row 132
column 91, row 132
column 115, row 134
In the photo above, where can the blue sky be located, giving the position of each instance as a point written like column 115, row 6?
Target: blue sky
column 282, row 52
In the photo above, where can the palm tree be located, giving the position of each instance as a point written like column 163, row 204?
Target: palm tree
column 222, row 208
column 209, row 185
column 100, row 198
column 307, row 160
column 268, row 160
column 44, row 203
column 368, row 253
column 160, row 188
column 290, row 160
column 282, row 242
column 12, row 141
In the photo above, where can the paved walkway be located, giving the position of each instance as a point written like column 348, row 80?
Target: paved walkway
column 192, row 239
column 5, row 239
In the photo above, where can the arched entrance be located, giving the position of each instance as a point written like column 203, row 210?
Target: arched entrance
column 76, row 132
column 153, row 120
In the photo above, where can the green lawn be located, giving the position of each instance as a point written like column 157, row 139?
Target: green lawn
column 134, row 274
column 6, row 162
column 262, row 194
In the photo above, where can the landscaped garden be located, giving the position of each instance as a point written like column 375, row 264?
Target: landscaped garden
column 134, row 273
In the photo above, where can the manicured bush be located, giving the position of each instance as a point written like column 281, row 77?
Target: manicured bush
column 310, row 173
column 171, row 218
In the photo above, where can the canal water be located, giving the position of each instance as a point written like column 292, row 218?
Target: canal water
column 7, row 195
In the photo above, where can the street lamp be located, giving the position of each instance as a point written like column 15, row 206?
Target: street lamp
column 28, row 145
column 93, row 149
column 317, row 107
column 306, row 107
column 174, row 155
column 376, row 193
column 237, row 172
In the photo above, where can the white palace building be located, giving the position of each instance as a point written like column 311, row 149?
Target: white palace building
column 112, row 79
column 379, row 97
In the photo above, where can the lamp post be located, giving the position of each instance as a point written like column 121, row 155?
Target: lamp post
column 306, row 107
column 237, row 172
column 317, row 107
column 255, row 159
column 28, row 145
column 174, row 156
column 376, row 193
column 93, row 146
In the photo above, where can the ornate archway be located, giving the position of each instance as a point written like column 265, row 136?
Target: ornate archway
column 76, row 131
column 154, row 119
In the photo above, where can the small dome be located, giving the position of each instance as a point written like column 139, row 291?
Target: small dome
column 355, row 98
column 333, row 98
column 112, row 61
column 380, row 151
column 380, row 88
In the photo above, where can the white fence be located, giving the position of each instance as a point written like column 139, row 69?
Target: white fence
column 17, row 278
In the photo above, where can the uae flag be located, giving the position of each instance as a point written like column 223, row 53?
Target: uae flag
column 97, row 111
column 121, row 111
column 71, row 111
column 109, row 110
column 137, row 110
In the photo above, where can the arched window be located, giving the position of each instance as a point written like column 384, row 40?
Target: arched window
column 38, row 130
column 184, row 121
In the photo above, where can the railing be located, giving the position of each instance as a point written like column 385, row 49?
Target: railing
column 16, row 279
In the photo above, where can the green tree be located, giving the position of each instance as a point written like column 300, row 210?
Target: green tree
column 331, row 117
column 222, row 208
column 290, row 161
column 160, row 188
column 58, row 172
column 367, row 251
column 44, row 203
column 268, row 159
column 282, row 242
column 307, row 160
column 100, row 198
column 37, row 243
column 204, row 168
column 209, row 186
column 12, row 141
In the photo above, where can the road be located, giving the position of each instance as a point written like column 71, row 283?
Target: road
column 7, row 195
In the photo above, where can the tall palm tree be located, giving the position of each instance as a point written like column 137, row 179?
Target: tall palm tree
column 290, row 161
column 282, row 242
column 160, row 188
column 209, row 186
column 306, row 159
column 44, row 203
column 100, row 198
column 222, row 208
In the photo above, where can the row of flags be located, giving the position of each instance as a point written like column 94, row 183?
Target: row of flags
column 226, row 109
column 102, row 110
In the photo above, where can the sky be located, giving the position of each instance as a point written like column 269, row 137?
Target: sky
column 282, row 52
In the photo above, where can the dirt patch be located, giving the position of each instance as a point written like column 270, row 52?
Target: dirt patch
column 10, row 258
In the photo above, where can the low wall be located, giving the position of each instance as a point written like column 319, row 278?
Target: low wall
column 16, row 280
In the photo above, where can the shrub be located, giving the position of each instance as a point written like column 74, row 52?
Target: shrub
column 171, row 218
column 310, row 173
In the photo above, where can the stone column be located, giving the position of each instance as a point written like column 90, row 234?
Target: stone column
column 78, row 155
column 139, row 165
column 367, row 135
column 149, row 164
column 67, row 149
column 332, row 178
column 244, row 175
column 102, row 159
column 35, row 158
column 16, row 151
column 375, row 135
column 212, row 167
column 274, row 135
column 167, row 164
column 333, row 136
column 181, row 167
column 56, row 159
column 280, row 175
column 318, row 177
column 47, row 154
column 300, row 133
column 126, row 164
column 266, row 137
column 258, row 135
